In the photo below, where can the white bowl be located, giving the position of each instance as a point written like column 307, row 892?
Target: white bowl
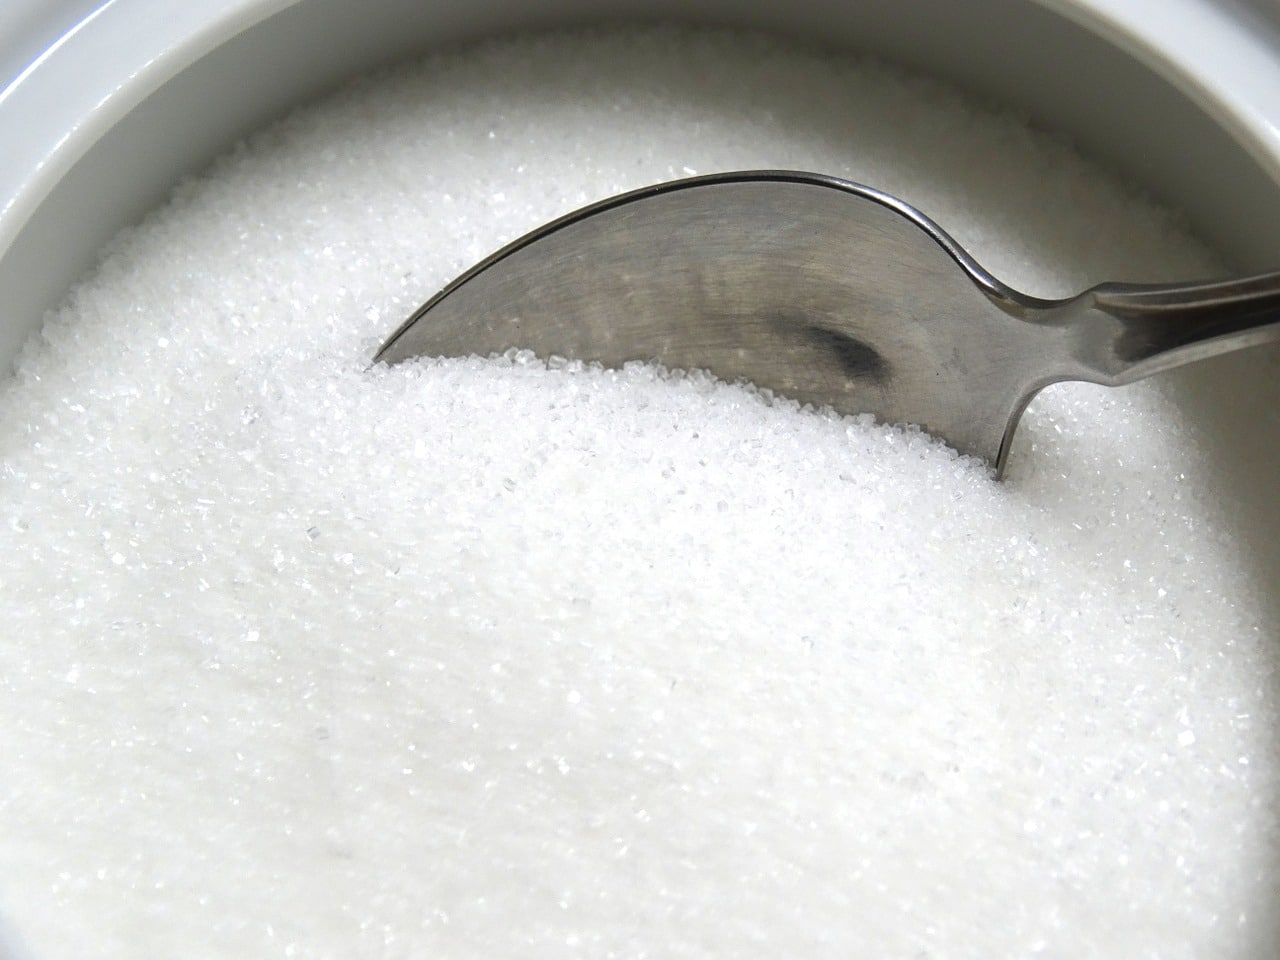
column 109, row 104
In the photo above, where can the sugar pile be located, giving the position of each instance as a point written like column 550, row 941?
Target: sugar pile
column 473, row 658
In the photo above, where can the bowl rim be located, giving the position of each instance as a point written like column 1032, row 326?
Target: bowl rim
column 1224, row 57
column 91, row 77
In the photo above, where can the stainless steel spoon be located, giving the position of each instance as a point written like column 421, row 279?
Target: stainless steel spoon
column 827, row 292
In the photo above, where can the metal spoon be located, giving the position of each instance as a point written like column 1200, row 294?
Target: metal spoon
column 827, row 292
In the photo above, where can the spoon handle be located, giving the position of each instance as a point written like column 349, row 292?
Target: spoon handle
column 1131, row 331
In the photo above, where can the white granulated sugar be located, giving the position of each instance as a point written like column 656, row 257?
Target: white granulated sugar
column 476, row 659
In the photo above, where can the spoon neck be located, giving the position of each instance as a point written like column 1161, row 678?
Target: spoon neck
column 1131, row 331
